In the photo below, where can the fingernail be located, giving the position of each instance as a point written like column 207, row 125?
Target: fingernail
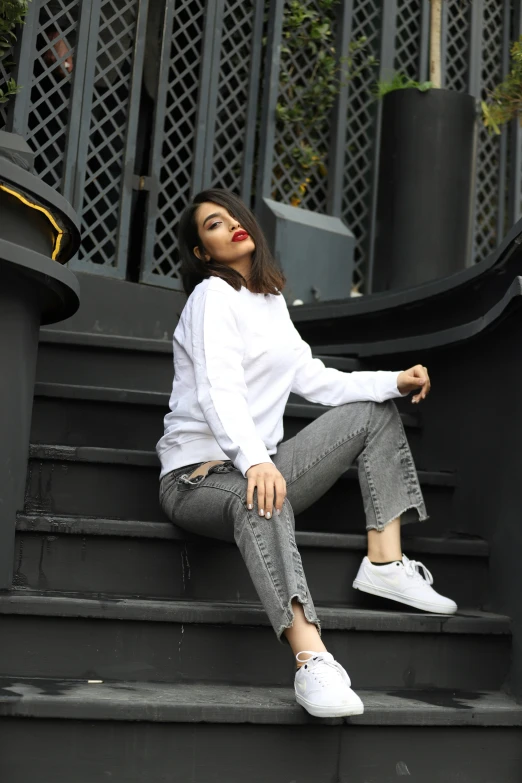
column 278, row 511
column 250, row 506
column 261, row 512
column 268, row 515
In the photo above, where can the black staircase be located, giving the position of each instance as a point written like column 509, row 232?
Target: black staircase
column 194, row 687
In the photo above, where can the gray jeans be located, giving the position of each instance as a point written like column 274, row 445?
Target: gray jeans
column 215, row 505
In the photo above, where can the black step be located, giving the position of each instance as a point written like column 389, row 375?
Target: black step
column 156, row 559
column 136, row 732
column 46, row 635
column 123, row 483
column 77, row 415
column 91, row 359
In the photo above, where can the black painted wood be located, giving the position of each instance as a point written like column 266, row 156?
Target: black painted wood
column 115, row 361
column 133, row 419
column 167, row 641
column 208, row 734
column 448, row 302
column 70, row 555
column 123, row 483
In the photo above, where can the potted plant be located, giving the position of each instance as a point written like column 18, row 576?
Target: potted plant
column 423, row 225
column 38, row 234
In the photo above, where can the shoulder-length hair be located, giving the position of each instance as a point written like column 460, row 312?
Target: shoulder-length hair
column 266, row 276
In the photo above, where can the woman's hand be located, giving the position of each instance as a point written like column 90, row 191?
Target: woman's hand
column 415, row 378
column 270, row 485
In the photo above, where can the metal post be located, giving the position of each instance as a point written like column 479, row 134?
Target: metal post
column 80, row 103
column 82, row 106
column 515, row 169
column 475, row 86
column 160, row 111
column 338, row 139
column 424, row 53
column 270, row 95
column 502, row 174
column 387, row 57
column 207, row 99
column 475, row 48
column 129, row 155
column 247, row 172
column 24, row 69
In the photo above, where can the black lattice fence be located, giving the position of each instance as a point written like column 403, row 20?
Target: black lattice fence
column 291, row 181
column 360, row 152
column 205, row 128
column 43, row 108
column 5, row 76
column 491, row 157
column 164, row 97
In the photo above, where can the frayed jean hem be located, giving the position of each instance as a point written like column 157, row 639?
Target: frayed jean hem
column 407, row 516
column 309, row 613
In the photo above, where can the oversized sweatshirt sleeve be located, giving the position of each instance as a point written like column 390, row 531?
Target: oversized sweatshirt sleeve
column 329, row 386
column 218, row 348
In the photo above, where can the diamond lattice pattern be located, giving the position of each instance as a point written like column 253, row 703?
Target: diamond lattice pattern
column 234, row 78
column 360, row 138
column 51, row 88
column 407, row 38
column 487, row 190
column 5, row 75
column 179, row 133
column 288, row 174
column 109, row 115
column 457, row 45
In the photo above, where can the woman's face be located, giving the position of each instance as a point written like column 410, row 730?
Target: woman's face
column 222, row 236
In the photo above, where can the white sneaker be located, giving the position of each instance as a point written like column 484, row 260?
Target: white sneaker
column 322, row 687
column 402, row 581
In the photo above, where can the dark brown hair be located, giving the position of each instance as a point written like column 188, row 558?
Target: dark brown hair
column 266, row 277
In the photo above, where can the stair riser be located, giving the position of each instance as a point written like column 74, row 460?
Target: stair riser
column 127, row 650
column 62, row 751
column 214, row 571
column 113, row 368
column 124, row 425
column 131, row 492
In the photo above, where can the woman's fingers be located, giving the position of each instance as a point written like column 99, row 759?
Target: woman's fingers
column 250, row 493
column 269, row 497
column 280, row 493
column 270, row 486
column 421, row 373
column 261, row 488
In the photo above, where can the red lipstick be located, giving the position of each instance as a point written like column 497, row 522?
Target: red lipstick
column 239, row 236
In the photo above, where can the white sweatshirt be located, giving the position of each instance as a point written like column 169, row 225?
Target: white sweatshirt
column 237, row 357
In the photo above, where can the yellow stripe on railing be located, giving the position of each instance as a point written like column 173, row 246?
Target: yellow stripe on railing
column 59, row 232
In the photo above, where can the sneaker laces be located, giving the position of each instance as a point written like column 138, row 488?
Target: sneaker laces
column 324, row 667
column 413, row 568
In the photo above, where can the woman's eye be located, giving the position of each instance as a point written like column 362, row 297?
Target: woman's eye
column 214, row 225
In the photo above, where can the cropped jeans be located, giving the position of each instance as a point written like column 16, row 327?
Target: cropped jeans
column 214, row 505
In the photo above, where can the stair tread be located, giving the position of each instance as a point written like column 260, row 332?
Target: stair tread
column 194, row 702
column 130, row 528
column 146, row 458
column 27, row 602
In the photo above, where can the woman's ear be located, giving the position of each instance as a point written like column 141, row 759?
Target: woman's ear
column 197, row 252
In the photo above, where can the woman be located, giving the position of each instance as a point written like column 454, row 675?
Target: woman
column 225, row 472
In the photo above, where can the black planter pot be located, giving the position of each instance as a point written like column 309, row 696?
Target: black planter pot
column 424, row 187
column 36, row 224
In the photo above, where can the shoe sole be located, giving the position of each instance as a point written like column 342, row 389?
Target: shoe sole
column 382, row 592
column 329, row 712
